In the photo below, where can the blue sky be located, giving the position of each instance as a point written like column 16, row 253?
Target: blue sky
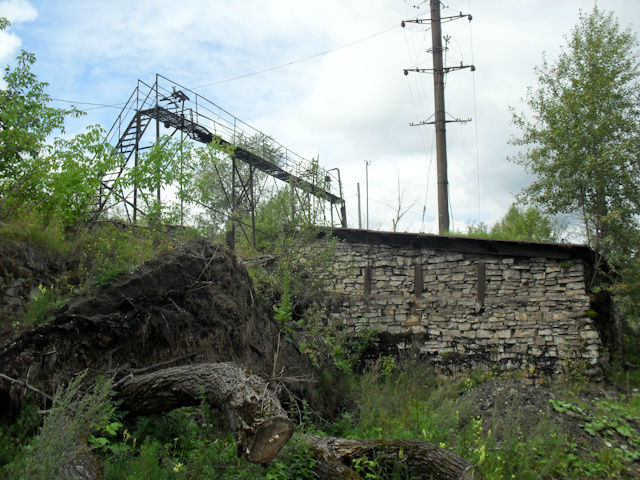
column 347, row 106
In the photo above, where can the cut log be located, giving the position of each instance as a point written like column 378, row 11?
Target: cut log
column 423, row 460
column 252, row 411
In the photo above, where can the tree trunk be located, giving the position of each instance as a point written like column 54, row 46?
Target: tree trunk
column 252, row 411
column 423, row 460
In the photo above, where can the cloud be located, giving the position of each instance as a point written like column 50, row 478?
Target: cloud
column 348, row 106
column 16, row 11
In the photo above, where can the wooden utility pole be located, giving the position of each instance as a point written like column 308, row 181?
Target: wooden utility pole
column 440, row 121
column 441, row 134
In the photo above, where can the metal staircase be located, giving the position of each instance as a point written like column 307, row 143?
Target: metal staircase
column 174, row 108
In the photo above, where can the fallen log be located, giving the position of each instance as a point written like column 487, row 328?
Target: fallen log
column 423, row 460
column 262, row 428
column 251, row 410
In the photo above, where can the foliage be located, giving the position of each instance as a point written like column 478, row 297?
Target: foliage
column 75, row 169
column 187, row 444
column 582, row 134
column 157, row 167
column 26, row 121
column 527, row 224
column 14, row 436
column 68, row 424
column 58, row 181
column 413, row 403
column 210, row 163
column 43, row 305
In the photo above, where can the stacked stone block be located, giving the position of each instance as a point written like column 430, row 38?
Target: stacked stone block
column 473, row 310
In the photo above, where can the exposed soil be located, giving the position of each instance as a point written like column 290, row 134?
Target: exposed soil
column 23, row 268
column 504, row 403
column 192, row 304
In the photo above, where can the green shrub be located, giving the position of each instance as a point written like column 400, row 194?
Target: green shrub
column 67, row 426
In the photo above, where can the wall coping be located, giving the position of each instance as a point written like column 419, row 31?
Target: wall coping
column 459, row 244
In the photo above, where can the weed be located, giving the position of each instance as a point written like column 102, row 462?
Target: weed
column 66, row 428
column 42, row 306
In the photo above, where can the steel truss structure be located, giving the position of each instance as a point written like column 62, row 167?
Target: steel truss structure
column 168, row 108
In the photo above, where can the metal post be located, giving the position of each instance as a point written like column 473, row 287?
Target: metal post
column 135, row 163
column 441, row 139
column 367, row 189
column 292, row 200
column 253, row 205
column 231, row 236
column 359, row 213
column 135, row 160
column 157, row 138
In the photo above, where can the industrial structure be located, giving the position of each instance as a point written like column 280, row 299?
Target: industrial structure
column 168, row 108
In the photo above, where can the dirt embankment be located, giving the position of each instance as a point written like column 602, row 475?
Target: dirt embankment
column 192, row 304
column 23, row 268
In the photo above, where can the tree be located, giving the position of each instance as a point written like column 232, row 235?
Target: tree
column 25, row 120
column 582, row 134
column 400, row 209
column 525, row 224
column 55, row 179
column 528, row 224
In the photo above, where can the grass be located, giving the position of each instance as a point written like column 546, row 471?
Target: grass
column 89, row 258
column 405, row 401
column 411, row 402
column 30, row 231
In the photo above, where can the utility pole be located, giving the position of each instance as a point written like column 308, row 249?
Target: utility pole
column 359, row 216
column 366, row 165
column 440, row 121
column 441, row 134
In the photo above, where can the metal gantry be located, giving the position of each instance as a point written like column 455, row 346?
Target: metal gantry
column 170, row 108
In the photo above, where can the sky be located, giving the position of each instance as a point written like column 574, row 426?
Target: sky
column 341, row 94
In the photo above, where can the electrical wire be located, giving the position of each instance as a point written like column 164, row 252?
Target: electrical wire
column 475, row 116
column 275, row 67
column 293, row 62
column 87, row 103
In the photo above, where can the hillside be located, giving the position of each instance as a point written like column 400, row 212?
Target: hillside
column 195, row 303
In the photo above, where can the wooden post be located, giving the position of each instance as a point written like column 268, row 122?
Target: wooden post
column 418, row 280
column 481, row 285
column 367, row 279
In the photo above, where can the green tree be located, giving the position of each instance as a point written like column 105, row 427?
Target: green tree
column 55, row 178
column 25, row 123
column 581, row 134
column 527, row 224
column 76, row 167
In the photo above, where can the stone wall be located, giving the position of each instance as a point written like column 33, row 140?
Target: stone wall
column 479, row 308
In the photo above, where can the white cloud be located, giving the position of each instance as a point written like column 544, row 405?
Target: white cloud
column 17, row 11
column 348, row 106
column 9, row 45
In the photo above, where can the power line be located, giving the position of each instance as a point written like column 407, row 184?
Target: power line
column 275, row 67
column 293, row 62
column 475, row 116
column 87, row 103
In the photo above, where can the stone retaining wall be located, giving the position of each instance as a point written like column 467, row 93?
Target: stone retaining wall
column 470, row 309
